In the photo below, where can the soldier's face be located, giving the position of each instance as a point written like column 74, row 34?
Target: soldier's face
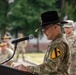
column 49, row 32
column 6, row 40
column 68, row 30
column 4, row 48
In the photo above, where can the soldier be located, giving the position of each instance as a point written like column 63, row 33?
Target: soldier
column 71, row 38
column 7, row 38
column 21, row 48
column 57, row 55
column 5, row 53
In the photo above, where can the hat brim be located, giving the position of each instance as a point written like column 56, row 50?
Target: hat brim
column 47, row 23
column 6, row 38
column 43, row 25
column 64, row 22
column 3, row 44
column 66, row 26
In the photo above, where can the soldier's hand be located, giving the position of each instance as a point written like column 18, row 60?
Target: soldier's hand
column 21, row 67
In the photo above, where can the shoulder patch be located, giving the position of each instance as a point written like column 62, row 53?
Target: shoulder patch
column 56, row 52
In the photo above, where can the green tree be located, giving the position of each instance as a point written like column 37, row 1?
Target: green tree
column 67, row 8
column 24, row 15
column 70, row 9
column 4, row 7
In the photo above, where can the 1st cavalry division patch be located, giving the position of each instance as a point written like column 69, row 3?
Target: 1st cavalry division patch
column 56, row 52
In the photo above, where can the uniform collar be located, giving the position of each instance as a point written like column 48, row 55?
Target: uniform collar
column 58, row 36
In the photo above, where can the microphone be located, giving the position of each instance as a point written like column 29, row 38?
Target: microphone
column 31, row 36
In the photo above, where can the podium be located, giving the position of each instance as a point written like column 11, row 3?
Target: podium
column 5, row 70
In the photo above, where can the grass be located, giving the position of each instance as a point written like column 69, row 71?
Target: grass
column 35, row 57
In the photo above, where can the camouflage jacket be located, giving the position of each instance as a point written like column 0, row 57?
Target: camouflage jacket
column 56, row 58
column 72, row 44
column 21, row 46
column 5, row 55
column 72, row 41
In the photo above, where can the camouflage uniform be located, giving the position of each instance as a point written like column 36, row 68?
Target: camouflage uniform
column 11, row 46
column 56, row 59
column 6, row 55
column 72, row 43
column 21, row 49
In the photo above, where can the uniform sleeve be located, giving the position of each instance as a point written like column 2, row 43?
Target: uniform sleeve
column 10, row 52
column 11, row 45
column 54, row 60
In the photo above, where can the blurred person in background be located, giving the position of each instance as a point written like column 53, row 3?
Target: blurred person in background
column 21, row 48
column 5, row 53
column 56, row 59
column 71, row 38
column 7, row 38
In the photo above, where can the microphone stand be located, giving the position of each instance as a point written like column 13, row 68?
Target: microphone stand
column 11, row 56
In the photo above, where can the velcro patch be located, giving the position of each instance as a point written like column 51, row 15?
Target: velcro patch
column 56, row 52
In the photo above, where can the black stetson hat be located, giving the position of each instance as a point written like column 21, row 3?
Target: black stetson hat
column 49, row 17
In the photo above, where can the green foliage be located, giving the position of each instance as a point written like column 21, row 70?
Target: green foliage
column 25, row 14
column 70, row 9
column 3, row 12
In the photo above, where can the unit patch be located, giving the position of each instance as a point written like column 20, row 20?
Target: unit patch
column 56, row 52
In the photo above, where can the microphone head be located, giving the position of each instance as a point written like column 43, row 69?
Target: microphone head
column 31, row 36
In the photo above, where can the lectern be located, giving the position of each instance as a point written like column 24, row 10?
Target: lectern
column 5, row 70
